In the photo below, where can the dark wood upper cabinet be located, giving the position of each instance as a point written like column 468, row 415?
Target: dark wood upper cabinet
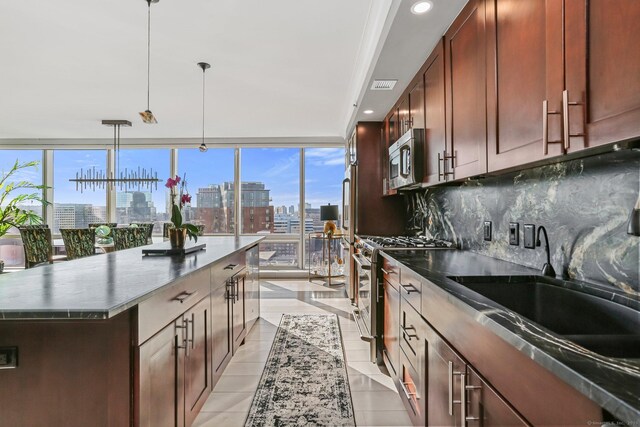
column 416, row 104
column 434, row 109
column 393, row 126
column 524, row 68
column 602, row 71
column 465, row 68
column 404, row 121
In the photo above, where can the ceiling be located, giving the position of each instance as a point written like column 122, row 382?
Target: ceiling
column 280, row 69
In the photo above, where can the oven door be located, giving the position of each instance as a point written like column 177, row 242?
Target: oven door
column 345, row 249
column 362, row 273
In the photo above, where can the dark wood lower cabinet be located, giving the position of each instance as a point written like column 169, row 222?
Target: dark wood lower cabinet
column 174, row 370
column 239, row 331
column 221, row 326
column 391, row 331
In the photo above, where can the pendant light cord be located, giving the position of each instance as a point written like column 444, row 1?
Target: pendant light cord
column 148, row 52
column 203, row 91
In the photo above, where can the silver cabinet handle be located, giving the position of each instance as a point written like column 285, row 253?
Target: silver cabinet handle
column 185, row 340
column 443, row 172
column 409, row 328
column 565, row 120
column 407, row 392
column 184, row 296
column 193, row 330
column 230, row 266
column 545, row 127
column 451, row 401
column 463, row 401
column 230, row 288
column 386, row 272
column 409, row 289
column 466, row 388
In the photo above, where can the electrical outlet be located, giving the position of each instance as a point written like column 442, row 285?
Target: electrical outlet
column 529, row 236
column 8, row 357
column 514, row 234
column 487, row 231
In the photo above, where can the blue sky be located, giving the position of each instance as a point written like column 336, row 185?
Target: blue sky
column 278, row 168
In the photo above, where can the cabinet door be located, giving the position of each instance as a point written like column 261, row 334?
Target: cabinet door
column 197, row 364
column 524, row 68
column 444, row 370
column 220, row 329
column 416, row 105
column 252, row 284
column 404, row 123
column 238, row 310
column 485, row 407
column 393, row 126
column 161, row 378
column 391, row 333
column 466, row 91
column 434, row 107
column 602, row 69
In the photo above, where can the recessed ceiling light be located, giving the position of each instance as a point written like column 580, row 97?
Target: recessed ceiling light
column 368, row 111
column 421, row 7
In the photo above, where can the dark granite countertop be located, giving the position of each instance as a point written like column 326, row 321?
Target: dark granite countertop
column 613, row 383
column 101, row 286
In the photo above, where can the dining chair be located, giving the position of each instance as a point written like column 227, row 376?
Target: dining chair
column 127, row 238
column 36, row 241
column 147, row 226
column 78, row 242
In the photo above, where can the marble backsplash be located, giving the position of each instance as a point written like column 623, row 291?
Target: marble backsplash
column 584, row 205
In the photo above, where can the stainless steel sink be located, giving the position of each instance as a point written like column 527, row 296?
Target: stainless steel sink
column 600, row 325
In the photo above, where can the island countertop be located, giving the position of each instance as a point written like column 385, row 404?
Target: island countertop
column 100, row 287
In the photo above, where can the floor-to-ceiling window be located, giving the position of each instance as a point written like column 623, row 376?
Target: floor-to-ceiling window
column 11, row 251
column 76, row 205
column 270, row 202
column 144, row 203
column 210, row 181
column 324, row 172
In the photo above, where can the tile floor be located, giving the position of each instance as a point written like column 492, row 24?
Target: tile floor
column 375, row 400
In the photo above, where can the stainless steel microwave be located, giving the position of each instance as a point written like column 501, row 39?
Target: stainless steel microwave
column 406, row 160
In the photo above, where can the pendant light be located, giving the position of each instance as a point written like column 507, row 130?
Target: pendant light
column 147, row 115
column 204, row 66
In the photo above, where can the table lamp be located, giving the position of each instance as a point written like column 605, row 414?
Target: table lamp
column 329, row 213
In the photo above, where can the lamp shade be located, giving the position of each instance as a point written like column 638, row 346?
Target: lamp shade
column 329, row 213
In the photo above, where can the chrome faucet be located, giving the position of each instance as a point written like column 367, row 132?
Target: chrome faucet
column 547, row 269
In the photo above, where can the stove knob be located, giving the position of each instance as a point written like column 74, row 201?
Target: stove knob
column 358, row 245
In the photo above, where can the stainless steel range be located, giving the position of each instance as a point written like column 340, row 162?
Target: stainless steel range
column 366, row 277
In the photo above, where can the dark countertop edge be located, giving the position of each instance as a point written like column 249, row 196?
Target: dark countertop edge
column 593, row 391
column 89, row 315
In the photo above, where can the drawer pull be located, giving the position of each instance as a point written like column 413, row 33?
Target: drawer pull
column 451, row 374
column 387, row 272
column 407, row 334
column 230, row 266
column 464, row 394
column 410, row 288
column 407, row 392
column 363, row 337
column 184, row 296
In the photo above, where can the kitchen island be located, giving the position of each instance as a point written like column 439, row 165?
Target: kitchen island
column 122, row 338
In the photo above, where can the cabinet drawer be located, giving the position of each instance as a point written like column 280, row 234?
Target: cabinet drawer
column 412, row 392
column 411, row 289
column 391, row 272
column 162, row 308
column 412, row 334
column 226, row 268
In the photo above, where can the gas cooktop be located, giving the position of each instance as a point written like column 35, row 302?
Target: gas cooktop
column 402, row 242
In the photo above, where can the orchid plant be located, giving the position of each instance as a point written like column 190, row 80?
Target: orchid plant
column 178, row 188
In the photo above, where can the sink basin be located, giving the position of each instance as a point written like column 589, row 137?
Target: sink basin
column 600, row 325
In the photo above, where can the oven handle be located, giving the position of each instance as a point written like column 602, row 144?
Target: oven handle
column 358, row 319
column 362, row 262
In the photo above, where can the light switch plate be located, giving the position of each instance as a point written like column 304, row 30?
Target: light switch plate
column 487, row 231
column 8, row 357
column 514, row 234
column 529, row 236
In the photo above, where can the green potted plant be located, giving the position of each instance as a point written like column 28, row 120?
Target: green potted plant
column 12, row 210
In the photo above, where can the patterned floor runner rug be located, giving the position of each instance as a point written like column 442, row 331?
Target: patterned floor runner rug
column 304, row 382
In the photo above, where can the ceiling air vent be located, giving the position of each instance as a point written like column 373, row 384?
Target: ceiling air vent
column 383, row 84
